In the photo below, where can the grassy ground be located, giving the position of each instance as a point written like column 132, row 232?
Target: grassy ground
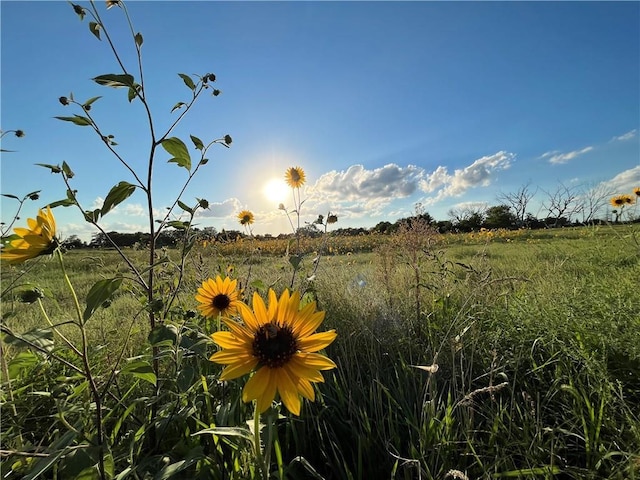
column 529, row 344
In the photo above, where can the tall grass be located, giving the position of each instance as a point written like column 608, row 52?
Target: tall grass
column 458, row 357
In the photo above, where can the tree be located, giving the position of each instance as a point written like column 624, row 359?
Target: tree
column 519, row 201
column 592, row 199
column 73, row 241
column 467, row 218
column 500, row 216
column 561, row 205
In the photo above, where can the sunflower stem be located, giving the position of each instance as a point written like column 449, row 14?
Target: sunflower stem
column 256, row 432
column 87, row 371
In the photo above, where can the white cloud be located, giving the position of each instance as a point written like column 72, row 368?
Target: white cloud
column 557, row 158
column 228, row 208
column 358, row 184
column 478, row 174
column 626, row 136
column 625, row 181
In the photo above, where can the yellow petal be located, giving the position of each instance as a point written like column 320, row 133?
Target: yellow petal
column 317, row 361
column 238, row 370
column 306, row 389
column 240, row 331
column 317, row 341
column 248, row 317
column 260, row 310
column 310, row 324
column 288, row 391
column 230, row 356
column 265, row 400
column 298, row 369
column 257, row 384
column 226, row 340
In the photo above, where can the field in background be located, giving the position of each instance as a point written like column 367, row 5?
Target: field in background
column 484, row 355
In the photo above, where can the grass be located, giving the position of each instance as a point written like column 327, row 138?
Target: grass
column 536, row 338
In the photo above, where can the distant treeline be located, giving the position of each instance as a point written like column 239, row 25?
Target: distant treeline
column 496, row 217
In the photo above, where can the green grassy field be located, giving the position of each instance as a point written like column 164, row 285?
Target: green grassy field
column 529, row 344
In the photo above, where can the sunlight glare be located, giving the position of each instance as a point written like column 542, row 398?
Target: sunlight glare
column 276, row 190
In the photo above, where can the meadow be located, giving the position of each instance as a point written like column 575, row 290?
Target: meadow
column 408, row 355
column 494, row 354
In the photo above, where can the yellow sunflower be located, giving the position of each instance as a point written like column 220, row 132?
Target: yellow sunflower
column 38, row 239
column 636, row 191
column 618, row 201
column 245, row 217
column 294, row 177
column 279, row 343
column 218, row 297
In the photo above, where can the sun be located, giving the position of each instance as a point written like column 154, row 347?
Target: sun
column 276, row 190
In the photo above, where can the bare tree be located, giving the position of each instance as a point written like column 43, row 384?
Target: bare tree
column 593, row 198
column 467, row 217
column 562, row 205
column 519, row 201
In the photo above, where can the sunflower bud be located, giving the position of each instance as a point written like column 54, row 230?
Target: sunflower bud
column 19, row 133
column 332, row 218
column 31, row 296
column 216, row 92
column 78, row 9
column 64, row 101
column 228, row 139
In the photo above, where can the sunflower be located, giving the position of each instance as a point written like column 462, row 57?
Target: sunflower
column 636, row 191
column 245, row 217
column 218, row 297
column 618, row 201
column 38, row 239
column 279, row 343
column 294, row 177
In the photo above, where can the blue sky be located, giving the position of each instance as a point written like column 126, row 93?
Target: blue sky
column 383, row 104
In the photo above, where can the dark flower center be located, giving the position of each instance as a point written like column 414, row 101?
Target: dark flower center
column 221, row 301
column 295, row 175
column 274, row 345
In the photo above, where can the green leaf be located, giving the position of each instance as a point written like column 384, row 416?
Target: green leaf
column 67, row 202
column 178, row 225
column 118, row 194
column 185, row 378
column 53, row 168
column 133, row 92
column 40, row 337
column 114, row 80
column 21, row 361
column 185, row 207
column 197, row 142
column 187, row 81
column 138, row 39
column 95, row 29
column 77, row 119
column 67, row 170
column 100, row 293
column 163, row 335
column 92, row 216
column 140, row 369
column 82, row 464
column 91, row 100
column 295, row 260
column 177, row 106
column 58, row 449
column 8, row 195
column 178, row 149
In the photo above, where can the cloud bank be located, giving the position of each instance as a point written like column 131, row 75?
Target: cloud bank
column 557, row 158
